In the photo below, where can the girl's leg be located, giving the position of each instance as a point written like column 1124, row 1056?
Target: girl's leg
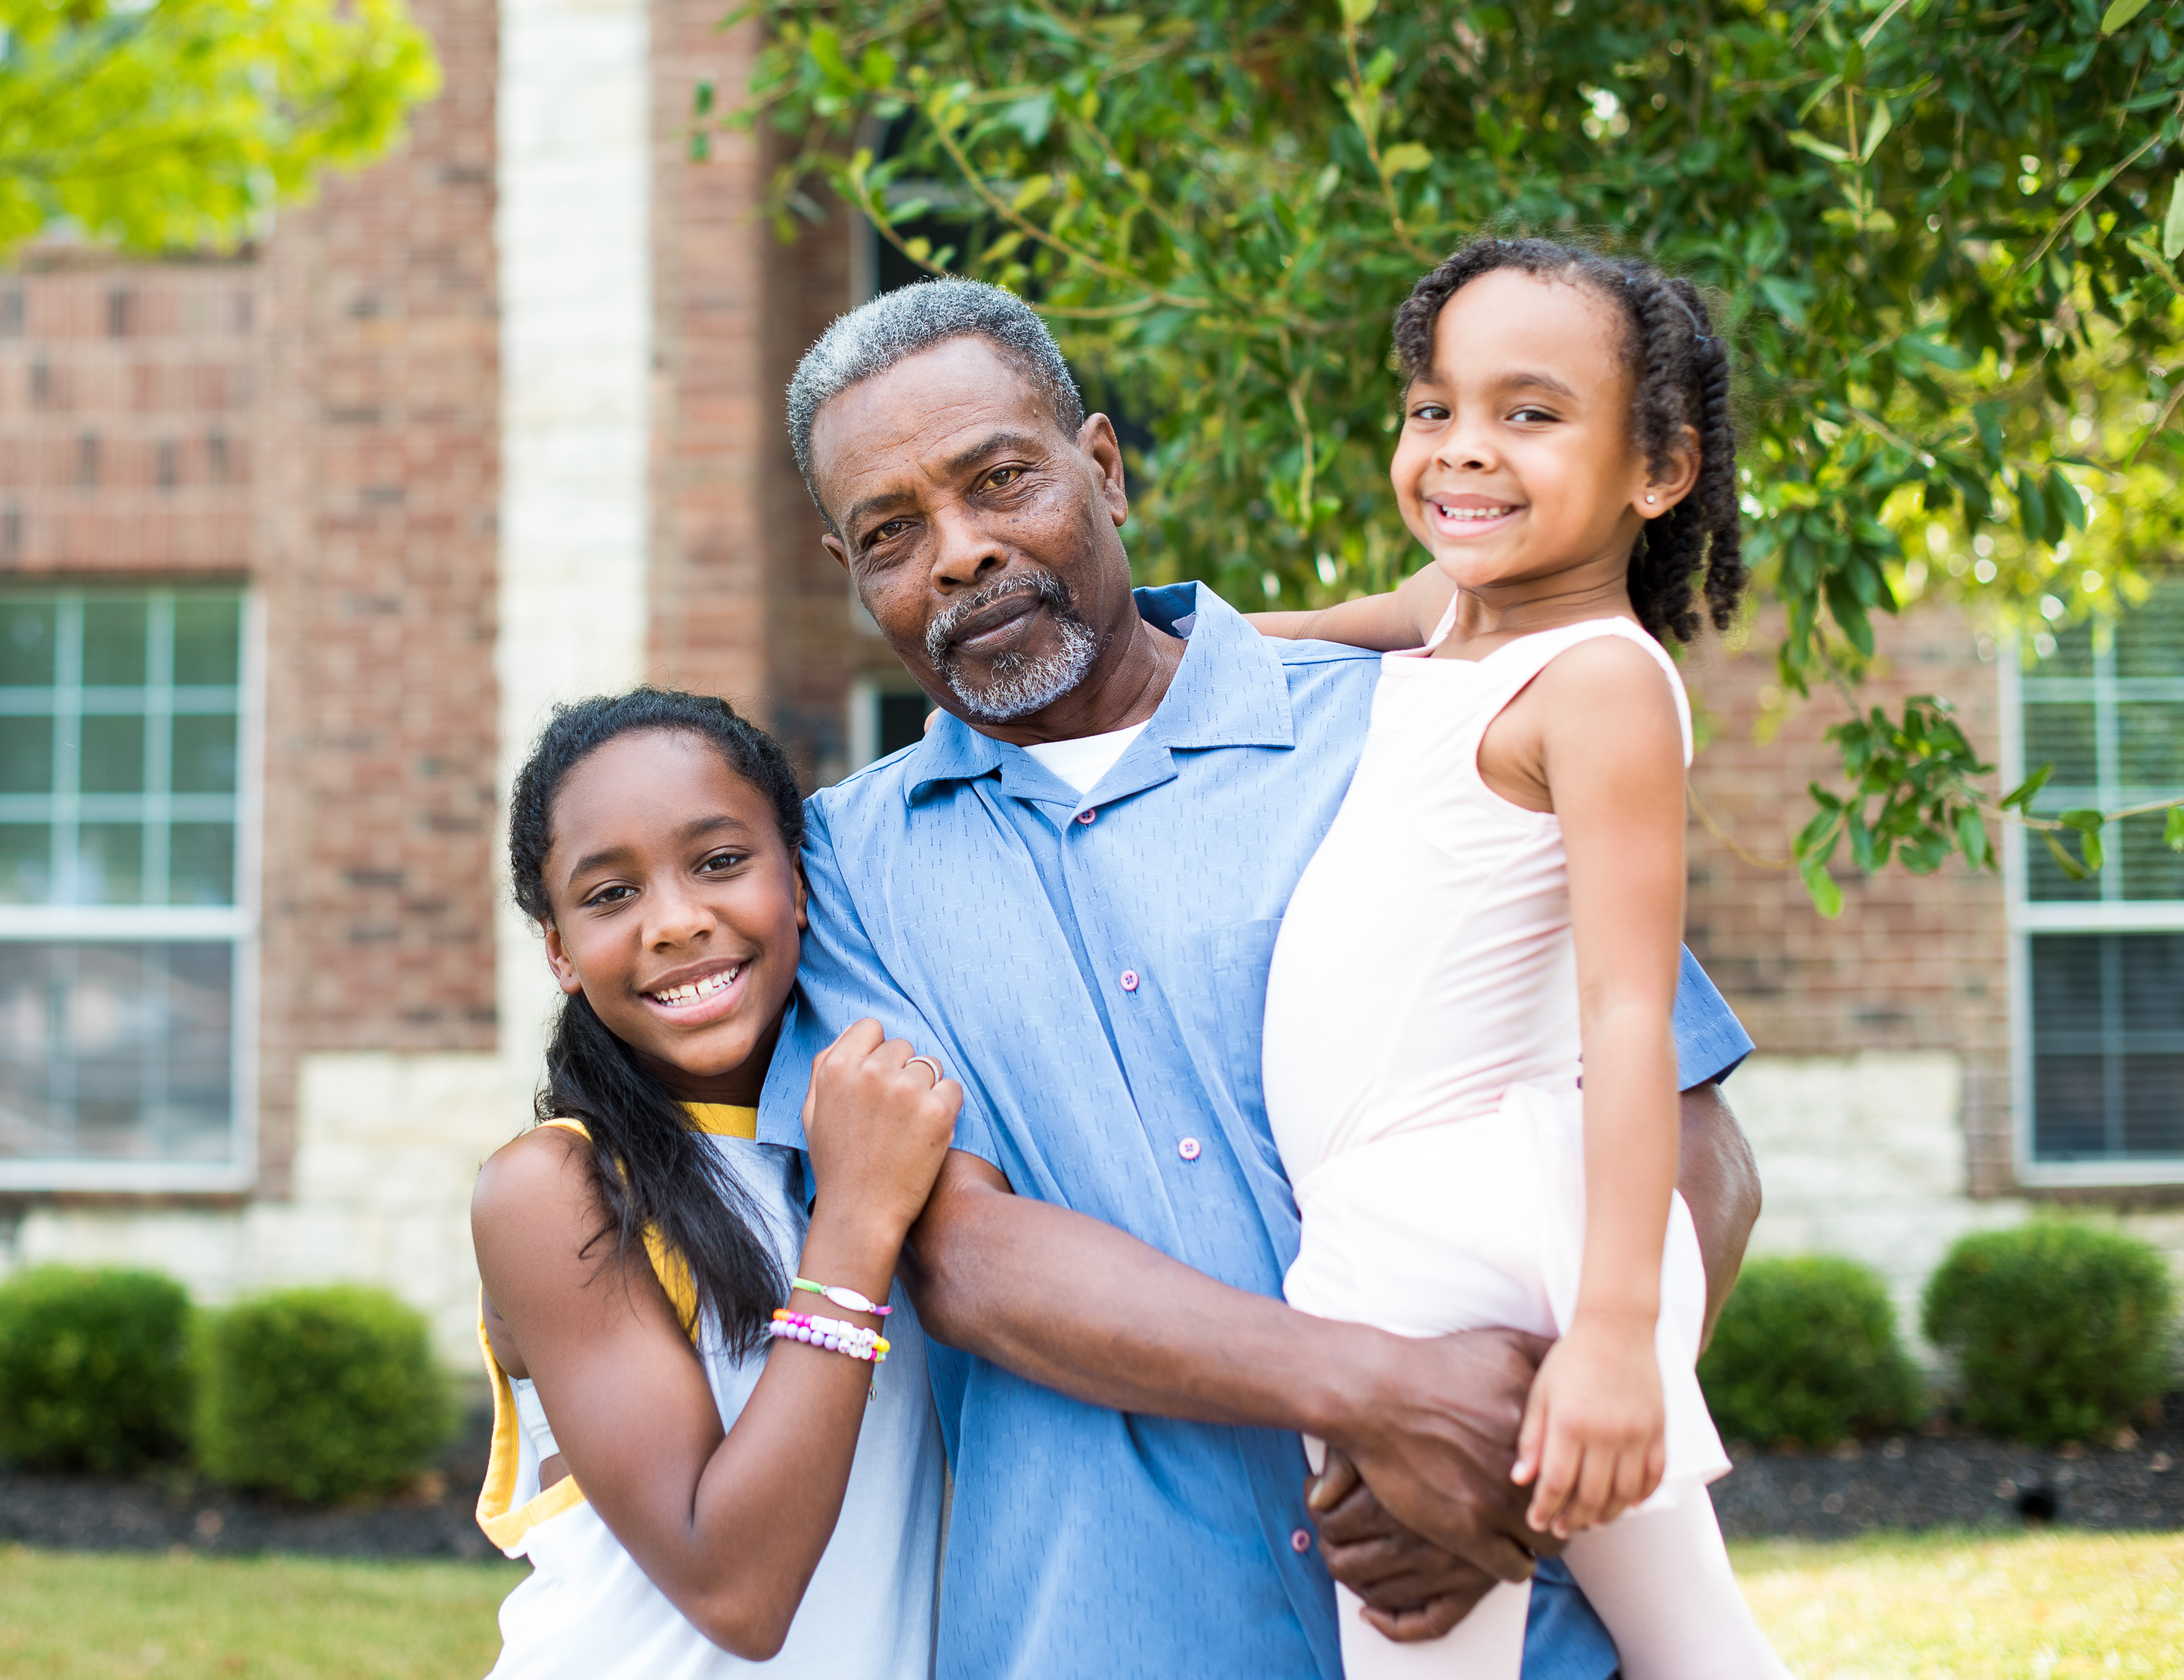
column 1487, row 1644
column 1661, row 1582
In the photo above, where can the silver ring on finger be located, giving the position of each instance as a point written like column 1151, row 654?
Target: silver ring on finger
column 926, row 1062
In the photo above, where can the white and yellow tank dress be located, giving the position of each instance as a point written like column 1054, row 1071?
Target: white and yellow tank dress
column 588, row 1609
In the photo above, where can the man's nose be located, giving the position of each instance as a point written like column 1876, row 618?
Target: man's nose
column 964, row 551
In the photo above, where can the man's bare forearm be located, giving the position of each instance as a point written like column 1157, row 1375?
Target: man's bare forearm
column 1721, row 1182
column 1093, row 1312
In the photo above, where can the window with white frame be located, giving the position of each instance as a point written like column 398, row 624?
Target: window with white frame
column 2100, row 961
column 125, row 928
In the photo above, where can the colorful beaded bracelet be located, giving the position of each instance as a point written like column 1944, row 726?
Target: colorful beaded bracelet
column 836, row 1336
column 842, row 1296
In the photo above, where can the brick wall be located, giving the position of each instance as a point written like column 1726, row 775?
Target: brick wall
column 745, row 601
column 321, row 418
column 126, row 407
column 376, row 549
column 1912, row 963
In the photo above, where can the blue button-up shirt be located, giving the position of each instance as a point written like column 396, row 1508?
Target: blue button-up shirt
column 1097, row 986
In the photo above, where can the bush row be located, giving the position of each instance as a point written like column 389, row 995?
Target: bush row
column 2054, row 1330
column 313, row 1394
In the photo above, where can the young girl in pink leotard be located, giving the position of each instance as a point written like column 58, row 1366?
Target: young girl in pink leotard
column 1503, row 893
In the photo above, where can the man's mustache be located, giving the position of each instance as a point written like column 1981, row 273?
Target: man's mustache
column 940, row 635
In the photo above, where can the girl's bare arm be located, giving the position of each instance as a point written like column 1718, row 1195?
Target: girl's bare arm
column 729, row 1526
column 1611, row 754
column 1401, row 618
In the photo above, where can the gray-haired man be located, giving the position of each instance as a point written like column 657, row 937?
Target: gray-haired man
column 1070, row 890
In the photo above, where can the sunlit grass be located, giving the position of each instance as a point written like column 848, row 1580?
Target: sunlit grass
column 1931, row 1607
column 103, row 1616
column 1954, row 1607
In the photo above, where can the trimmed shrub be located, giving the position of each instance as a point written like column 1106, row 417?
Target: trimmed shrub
column 1806, row 1350
column 318, row 1394
column 94, row 1371
column 2059, row 1332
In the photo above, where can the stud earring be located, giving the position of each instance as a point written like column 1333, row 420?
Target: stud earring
column 1650, row 500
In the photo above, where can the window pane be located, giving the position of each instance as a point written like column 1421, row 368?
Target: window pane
column 2045, row 883
column 114, row 628
column 208, row 639
column 201, row 863
column 27, row 862
column 116, row 1051
column 2150, row 870
column 2149, row 638
column 2150, row 739
column 2074, row 652
column 2108, row 1046
column 113, row 754
column 2061, row 735
column 902, row 721
column 27, row 643
column 26, row 755
column 204, row 753
column 110, row 863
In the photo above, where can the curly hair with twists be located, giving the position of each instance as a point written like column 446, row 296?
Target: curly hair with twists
column 1680, row 367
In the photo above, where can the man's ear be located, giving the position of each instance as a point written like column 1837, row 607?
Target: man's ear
column 833, row 545
column 1097, row 438
column 557, row 959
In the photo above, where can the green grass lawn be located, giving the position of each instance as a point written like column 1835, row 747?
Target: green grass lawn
column 102, row 1615
column 1942, row 1607
column 1951, row 1607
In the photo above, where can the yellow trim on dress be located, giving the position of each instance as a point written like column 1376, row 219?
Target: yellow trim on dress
column 506, row 1528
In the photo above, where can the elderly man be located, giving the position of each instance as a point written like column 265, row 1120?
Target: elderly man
column 1069, row 892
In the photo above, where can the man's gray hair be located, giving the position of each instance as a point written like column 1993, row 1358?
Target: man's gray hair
column 870, row 340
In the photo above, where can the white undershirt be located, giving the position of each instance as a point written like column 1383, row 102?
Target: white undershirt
column 1082, row 762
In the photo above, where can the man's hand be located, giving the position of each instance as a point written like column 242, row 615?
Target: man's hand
column 1412, row 1589
column 1437, row 1439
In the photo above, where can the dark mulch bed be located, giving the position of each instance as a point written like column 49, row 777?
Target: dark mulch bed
column 1912, row 1482
column 434, row 1518
column 1945, row 1478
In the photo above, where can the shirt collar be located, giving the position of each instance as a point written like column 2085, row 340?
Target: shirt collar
column 1229, row 691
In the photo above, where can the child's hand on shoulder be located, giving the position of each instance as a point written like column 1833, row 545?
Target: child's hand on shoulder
column 1593, row 1442
column 878, row 1124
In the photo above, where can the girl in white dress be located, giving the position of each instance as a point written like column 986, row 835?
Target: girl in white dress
column 1500, row 897
column 713, row 1437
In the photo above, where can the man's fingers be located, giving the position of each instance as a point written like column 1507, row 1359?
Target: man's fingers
column 1337, row 1480
column 1428, row 1621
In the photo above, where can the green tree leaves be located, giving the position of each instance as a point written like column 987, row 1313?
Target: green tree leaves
column 179, row 124
column 1943, row 235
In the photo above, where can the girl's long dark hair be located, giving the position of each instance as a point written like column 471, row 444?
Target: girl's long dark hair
column 650, row 1167
column 1696, row 549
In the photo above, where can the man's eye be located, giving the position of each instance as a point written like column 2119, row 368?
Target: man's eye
column 894, row 528
column 1002, row 476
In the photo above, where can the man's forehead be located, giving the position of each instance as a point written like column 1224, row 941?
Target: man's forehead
column 926, row 411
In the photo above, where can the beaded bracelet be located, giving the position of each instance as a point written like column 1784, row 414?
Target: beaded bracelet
column 836, row 1336
column 842, row 1296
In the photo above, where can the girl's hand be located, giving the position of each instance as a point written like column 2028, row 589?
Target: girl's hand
column 877, row 1130
column 1593, row 1441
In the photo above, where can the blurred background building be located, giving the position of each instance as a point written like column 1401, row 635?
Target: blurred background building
column 297, row 547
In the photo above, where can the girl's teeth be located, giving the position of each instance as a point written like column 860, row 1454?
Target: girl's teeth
column 681, row 994
column 1473, row 513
